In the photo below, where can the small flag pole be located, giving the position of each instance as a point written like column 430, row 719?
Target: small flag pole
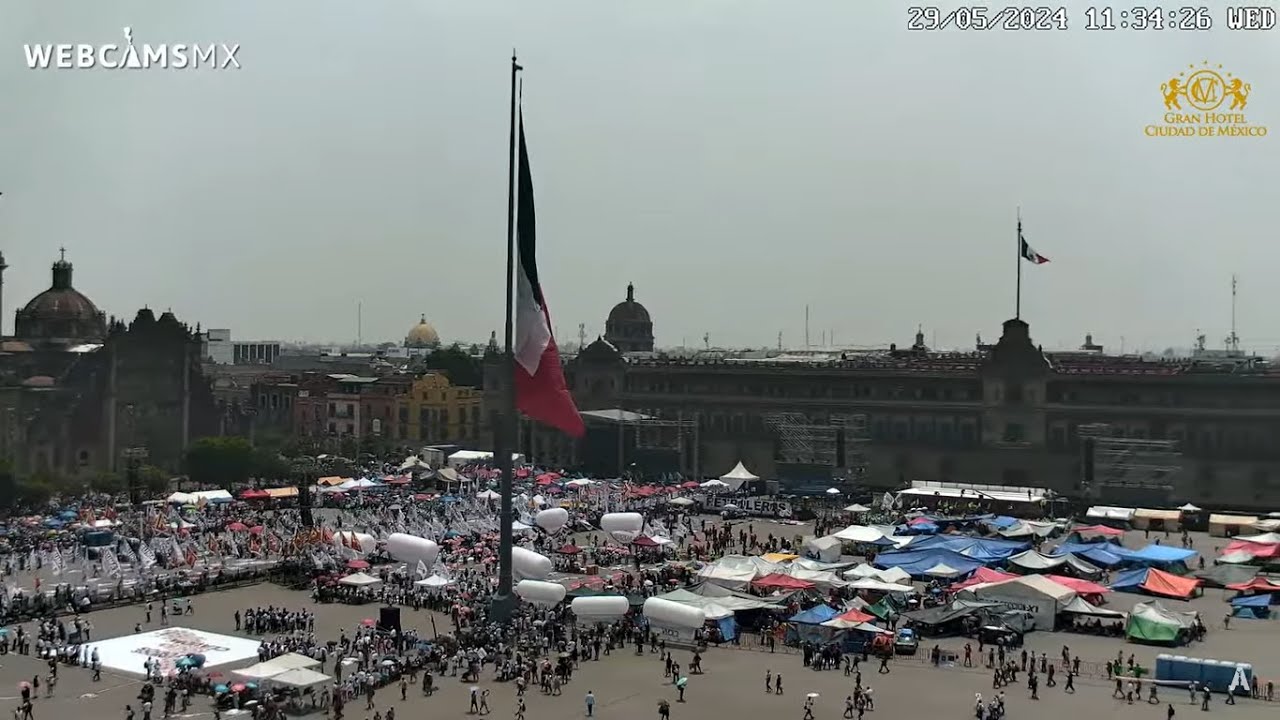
column 1017, row 300
column 503, row 599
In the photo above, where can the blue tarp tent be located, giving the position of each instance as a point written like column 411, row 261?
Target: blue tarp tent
column 1130, row 579
column 1160, row 555
column 916, row 562
column 1001, row 522
column 807, row 625
column 1100, row 554
column 981, row 549
column 815, row 615
column 1252, row 607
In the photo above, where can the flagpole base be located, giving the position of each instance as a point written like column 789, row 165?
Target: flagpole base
column 502, row 608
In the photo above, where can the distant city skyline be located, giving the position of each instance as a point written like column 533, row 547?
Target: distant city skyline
column 736, row 165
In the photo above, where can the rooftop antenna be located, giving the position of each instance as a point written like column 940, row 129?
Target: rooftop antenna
column 806, row 327
column 582, row 335
column 706, row 340
column 779, row 341
column 1233, row 340
column 359, row 324
column 1200, row 341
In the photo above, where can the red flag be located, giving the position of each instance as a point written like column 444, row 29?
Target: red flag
column 541, row 391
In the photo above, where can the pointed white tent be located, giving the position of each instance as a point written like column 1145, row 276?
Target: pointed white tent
column 737, row 476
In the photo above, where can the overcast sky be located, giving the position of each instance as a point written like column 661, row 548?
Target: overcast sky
column 736, row 160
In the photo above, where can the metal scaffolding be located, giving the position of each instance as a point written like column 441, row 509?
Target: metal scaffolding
column 1121, row 464
column 802, row 441
column 679, row 435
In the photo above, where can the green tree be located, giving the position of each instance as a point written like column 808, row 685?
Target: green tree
column 221, row 461
column 36, row 489
column 153, row 480
column 456, row 364
column 109, row 482
column 269, row 465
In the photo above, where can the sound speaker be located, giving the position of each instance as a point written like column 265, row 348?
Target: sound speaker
column 389, row 619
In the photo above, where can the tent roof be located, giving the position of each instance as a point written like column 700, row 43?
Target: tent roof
column 359, row 579
column 1160, row 582
column 1036, row 584
column 739, row 472
column 1079, row 606
column 300, row 677
column 778, row 580
column 814, row 615
column 1263, row 600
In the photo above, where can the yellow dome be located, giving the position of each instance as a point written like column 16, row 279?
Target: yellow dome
column 422, row 335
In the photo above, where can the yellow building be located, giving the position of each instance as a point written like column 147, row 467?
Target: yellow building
column 434, row 411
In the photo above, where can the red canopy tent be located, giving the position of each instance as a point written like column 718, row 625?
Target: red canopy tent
column 1098, row 530
column 569, row 549
column 856, row 616
column 1257, row 584
column 782, row 582
column 983, row 575
column 645, row 541
column 1084, row 587
column 254, row 494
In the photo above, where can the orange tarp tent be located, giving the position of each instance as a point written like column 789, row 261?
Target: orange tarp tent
column 1160, row 582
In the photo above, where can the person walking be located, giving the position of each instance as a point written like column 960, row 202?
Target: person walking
column 591, row 703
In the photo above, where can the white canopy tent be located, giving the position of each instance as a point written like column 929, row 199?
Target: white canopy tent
column 299, row 678
column 434, row 582
column 824, row 549
column 859, row 534
column 1038, row 595
column 359, row 579
column 856, row 508
column 737, row 476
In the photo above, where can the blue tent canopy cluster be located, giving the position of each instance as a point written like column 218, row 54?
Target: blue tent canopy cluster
column 1111, row 555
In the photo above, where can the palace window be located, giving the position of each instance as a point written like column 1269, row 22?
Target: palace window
column 1014, row 432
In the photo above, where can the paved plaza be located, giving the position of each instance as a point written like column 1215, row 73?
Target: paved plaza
column 627, row 686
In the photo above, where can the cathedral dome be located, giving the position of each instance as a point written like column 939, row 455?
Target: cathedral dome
column 61, row 312
column 629, row 328
column 629, row 310
column 422, row 335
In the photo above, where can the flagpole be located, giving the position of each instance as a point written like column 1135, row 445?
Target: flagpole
column 503, row 598
column 1017, row 302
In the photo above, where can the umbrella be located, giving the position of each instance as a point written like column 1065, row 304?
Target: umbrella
column 220, row 688
column 833, row 491
column 368, row 622
column 812, row 695
column 682, row 682
column 24, row 685
column 238, row 687
column 357, row 564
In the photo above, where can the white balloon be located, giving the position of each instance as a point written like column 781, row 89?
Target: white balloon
column 600, row 608
column 677, row 616
column 623, row 527
column 552, row 519
column 411, row 548
column 538, row 592
column 530, row 565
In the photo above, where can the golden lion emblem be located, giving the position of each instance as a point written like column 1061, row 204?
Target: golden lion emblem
column 1171, row 90
column 1238, row 91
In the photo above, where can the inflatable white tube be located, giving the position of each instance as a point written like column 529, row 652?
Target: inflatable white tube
column 529, row 565
column 677, row 616
column 552, row 519
column 411, row 548
column 623, row 527
column 605, row 607
column 538, row 592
